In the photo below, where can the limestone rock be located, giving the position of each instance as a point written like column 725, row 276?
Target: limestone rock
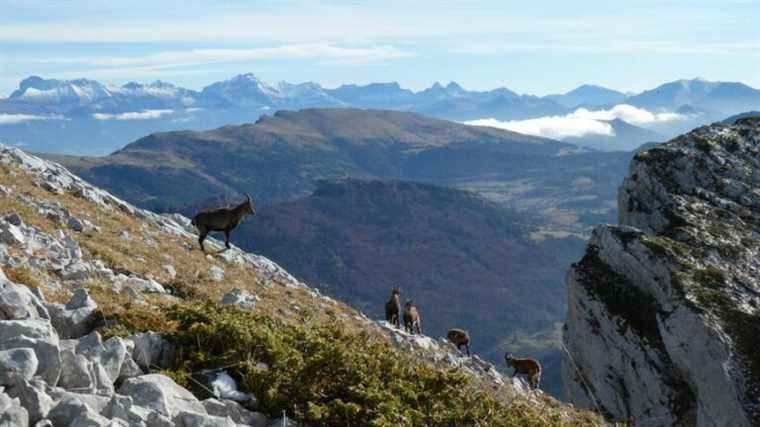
column 19, row 302
column 33, row 397
column 129, row 369
column 11, row 235
column 75, row 318
column 67, row 410
column 664, row 310
column 161, row 394
column 12, row 414
column 233, row 410
column 16, row 365
column 39, row 335
column 216, row 273
column 76, row 271
column 151, row 350
column 170, row 271
column 241, row 298
column 192, row 419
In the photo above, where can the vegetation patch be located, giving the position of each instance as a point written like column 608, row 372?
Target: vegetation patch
column 635, row 308
column 710, row 276
column 664, row 247
column 320, row 374
column 742, row 327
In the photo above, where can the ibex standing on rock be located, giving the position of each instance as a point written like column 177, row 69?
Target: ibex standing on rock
column 527, row 366
column 412, row 319
column 393, row 309
column 222, row 219
column 459, row 338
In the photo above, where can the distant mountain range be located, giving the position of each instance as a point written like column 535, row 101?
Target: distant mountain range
column 246, row 91
column 724, row 97
column 588, row 96
column 89, row 117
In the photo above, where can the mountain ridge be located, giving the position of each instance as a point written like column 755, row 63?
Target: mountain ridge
column 247, row 90
column 281, row 156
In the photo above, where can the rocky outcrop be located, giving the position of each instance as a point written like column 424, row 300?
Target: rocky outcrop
column 664, row 309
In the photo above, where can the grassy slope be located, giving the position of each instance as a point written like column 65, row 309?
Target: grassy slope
column 121, row 314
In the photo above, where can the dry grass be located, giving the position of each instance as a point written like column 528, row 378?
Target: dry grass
column 140, row 257
column 23, row 275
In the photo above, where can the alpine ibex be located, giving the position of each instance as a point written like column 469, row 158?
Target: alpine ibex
column 460, row 337
column 527, row 366
column 222, row 219
column 412, row 319
column 393, row 309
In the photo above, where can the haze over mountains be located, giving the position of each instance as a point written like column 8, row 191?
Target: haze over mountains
column 89, row 117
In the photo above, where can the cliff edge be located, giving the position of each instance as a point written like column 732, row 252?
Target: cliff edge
column 664, row 309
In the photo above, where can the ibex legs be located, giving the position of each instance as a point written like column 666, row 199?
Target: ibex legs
column 227, row 238
column 201, row 238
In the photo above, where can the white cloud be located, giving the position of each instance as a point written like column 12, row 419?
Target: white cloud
column 133, row 115
column 555, row 127
column 580, row 122
column 627, row 113
column 12, row 119
column 324, row 52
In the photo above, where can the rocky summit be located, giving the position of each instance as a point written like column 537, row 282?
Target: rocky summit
column 664, row 309
column 88, row 283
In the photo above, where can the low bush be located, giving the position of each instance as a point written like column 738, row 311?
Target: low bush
column 320, row 374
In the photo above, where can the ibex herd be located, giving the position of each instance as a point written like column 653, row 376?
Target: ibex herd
column 459, row 337
column 227, row 219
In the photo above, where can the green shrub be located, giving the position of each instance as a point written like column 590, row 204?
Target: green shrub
column 323, row 375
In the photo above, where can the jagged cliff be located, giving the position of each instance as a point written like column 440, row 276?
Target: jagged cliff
column 664, row 309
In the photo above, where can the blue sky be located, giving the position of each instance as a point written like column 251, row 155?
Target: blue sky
column 537, row 47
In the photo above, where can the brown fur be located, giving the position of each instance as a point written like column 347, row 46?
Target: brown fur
column 412, row 318
column 460, row 337
column 525, row 366
column 222, row 219
column 393, row 309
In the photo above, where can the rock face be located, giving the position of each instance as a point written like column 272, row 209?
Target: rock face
column 664, row 309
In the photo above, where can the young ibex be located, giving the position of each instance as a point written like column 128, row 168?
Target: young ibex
column 222, row 219
column 393, row 309
column 412, row 319
column 527, row 366
column 460, row 337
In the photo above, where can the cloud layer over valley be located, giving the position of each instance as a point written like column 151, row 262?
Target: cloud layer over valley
column 134, row 115
column 581, row 122
column 13, row 119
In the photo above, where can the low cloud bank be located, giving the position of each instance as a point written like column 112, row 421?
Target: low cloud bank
column 12, row 119
column 555, row 127
column 133, row 115
column 581, row 122
column 628, row 113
